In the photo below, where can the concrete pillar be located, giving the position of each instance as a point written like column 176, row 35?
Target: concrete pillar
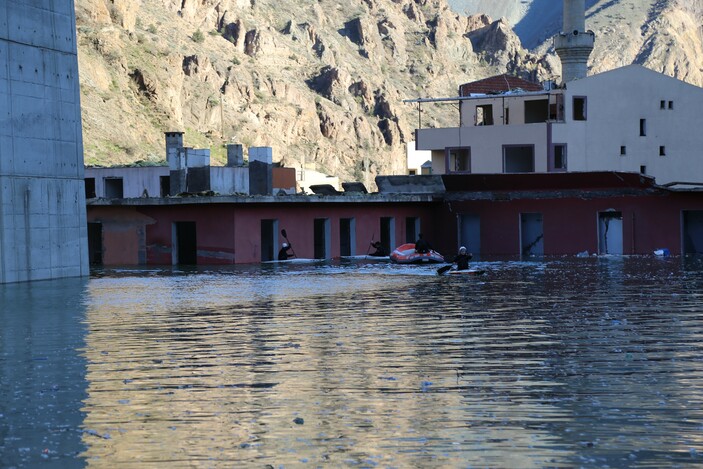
column 176, row 159
column 574, row 44
column 43, row 228
column 235, row 155
column 260, row 170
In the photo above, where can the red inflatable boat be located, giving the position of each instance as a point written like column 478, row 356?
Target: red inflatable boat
column 405, row 254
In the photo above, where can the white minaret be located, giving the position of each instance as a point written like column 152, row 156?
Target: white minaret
column 574, row 44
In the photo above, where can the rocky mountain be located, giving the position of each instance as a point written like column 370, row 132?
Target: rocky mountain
column 323, row 82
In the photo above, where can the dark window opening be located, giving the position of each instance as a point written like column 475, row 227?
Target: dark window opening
column 507, row 115
column 90, row 188
column 114, row 188
column 346, row 236
column 671, row 105
column 559, row 157
column 556, row 109
column 643, row 170
column 643, row 127
column 519, row 159
column 459, row 160
column 412, row 172
column 536, row 111
column 662, row 150
column 165, row 183
column 484, row 114
column 321, row 238
column 579, row 111
column 662, row 104
column 623, row 150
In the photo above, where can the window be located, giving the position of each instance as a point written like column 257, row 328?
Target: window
column 536, row 111
column 662, row 150
column 484, row 114
column 90, row 188
column 662, row 104
column 671, row 105
column 165, row 185
column 507, row 115
column 559, row 157
column 113, row 188
column 643, row 127
column 518, row 159
column 459, row 160
column 643, row 170
column 623, row 150
column 579, row 105
column 412, row 172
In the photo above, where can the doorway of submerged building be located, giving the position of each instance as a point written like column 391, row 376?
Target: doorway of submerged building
column 322, row 238
column 347, row 237
column 269, row 239
column 95, row 243
column 388, row 233
column 412, row 229
column 184, row 243
column 531, row 234
column 610, row 232
column 692, row 231
column 470, row 233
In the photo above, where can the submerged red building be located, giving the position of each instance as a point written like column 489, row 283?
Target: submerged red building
column 492, row 214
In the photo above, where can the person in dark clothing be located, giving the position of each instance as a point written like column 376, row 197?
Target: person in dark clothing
column 283, row 253
column 422, row 246
column 380, row 250
column 462, row 259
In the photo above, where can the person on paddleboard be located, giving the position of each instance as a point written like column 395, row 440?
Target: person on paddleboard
column 462, row 259
column 422, row 246
column 283, row 253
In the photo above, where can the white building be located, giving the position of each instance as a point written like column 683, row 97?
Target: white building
column 630, row 119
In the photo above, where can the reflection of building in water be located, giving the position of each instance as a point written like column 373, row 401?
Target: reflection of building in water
column 42, row 373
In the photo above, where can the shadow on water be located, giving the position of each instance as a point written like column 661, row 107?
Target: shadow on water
column 556, row 362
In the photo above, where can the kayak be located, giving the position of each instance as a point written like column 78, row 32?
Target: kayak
column 294, row 260
column 366, row 257
column 405, row 254
column 466, row 272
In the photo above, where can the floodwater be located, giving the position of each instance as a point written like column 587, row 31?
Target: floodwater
column 568, row 362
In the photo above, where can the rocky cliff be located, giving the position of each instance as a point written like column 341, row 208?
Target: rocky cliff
column 322, row 81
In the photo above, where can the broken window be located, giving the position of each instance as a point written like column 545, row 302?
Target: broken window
column 559, row 157
column 579, row 105
column 536, row 111
column 114, row 188
column 518, row 159
column 459, row 160
column 484, row 114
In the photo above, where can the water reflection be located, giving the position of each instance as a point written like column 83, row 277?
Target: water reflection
column 42, row 374
column 544, row 362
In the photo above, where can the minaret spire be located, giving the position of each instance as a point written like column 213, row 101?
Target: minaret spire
column 574, row 44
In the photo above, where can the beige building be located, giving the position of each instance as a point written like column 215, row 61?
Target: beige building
column 630, row 119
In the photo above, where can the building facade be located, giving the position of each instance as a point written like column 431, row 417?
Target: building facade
column 630, row 119
column 42, row 195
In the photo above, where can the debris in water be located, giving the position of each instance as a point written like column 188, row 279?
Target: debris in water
column 298, row 421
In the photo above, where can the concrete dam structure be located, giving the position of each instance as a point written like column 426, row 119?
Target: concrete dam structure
column 42, row 192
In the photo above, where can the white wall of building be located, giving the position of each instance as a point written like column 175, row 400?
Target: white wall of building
column 616, row 101
column 42, row 197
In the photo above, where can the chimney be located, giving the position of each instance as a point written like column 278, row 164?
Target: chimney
column 574, row 44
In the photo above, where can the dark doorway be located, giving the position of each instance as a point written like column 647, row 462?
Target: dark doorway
column 347, row 237
column 610, row 232
column 531, row 234
column 165, row 183
column 95, row 243
column 388, row 233
column 470, row 233
column 693, row 232
column 412, row 228
column 322, row 238
column 269, row 229
column 90, row 188
column 185, row 245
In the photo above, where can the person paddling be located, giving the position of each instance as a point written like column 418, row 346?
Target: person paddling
column 462, row 259
column 380, row 250
column 283, row 253
column 422, row 246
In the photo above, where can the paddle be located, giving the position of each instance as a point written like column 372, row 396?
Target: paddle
column 285, row 236
column 443, row 269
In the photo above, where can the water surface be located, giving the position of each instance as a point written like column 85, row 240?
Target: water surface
column 565, row 362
